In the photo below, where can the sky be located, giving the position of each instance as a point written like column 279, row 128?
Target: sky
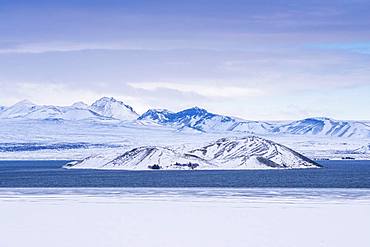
column 258, row 59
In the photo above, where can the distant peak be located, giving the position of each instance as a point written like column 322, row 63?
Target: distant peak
column 80, row 104
column 25, row 102
column 107, row 99
column 110, row 107
column 319, row 118
column 156, row 114
column 159, row 111
column 195, row 110
column 198, row 108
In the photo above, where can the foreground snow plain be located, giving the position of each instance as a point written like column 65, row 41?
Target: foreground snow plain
column 184, row 217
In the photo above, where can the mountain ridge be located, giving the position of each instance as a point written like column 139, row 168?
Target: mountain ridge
column 102, row 109
column 202, row 120
column 195, row 118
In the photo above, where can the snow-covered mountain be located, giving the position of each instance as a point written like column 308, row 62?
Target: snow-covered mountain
column 28, row 110
column 189, row 120
column 255, row 127
column 202, row 120
column 110, row 107
column 205, row 121
column 249, row 152
column 19, row 109
column 325, row 127
column 103, row 109
column 195, row 118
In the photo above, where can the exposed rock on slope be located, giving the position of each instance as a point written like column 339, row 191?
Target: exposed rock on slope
column 251, row 152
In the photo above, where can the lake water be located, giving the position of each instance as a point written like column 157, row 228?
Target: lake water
column 334, row 174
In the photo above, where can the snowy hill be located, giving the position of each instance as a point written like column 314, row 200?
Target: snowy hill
column 227, row 153
column 257, row 127
column 251, row 152
column 19, row 109
column 110, row 107
column 143, row 158
column 325, row 127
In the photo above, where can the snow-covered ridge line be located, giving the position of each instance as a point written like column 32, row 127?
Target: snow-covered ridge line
column 203, row 121
column 249, row 152
column 189, row 120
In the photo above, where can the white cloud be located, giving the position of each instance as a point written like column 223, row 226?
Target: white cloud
column 41, row 47
column 207, row 90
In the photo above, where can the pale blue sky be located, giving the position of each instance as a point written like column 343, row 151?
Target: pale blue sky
column 253, row 59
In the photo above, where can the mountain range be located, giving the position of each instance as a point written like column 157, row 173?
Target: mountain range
column 102, row 109
column 195, row 119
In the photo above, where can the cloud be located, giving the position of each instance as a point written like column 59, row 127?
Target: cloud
column 42, row 47
column 208, row 90
column 358, row 47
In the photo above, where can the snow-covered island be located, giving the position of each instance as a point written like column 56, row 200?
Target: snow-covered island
column 227, row 153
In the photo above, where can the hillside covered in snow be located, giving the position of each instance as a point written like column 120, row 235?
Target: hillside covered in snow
column 249, row 152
